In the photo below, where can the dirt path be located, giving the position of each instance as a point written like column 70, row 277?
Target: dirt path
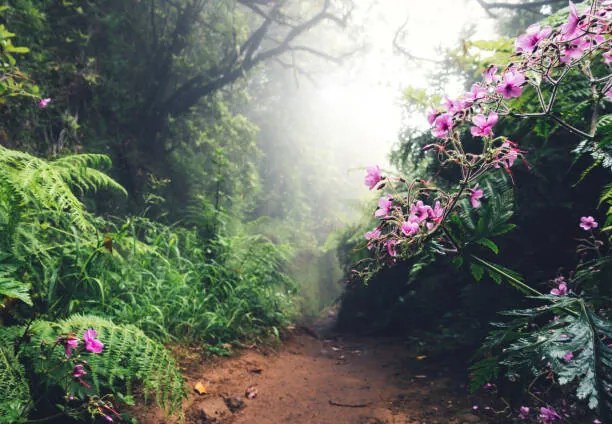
column 327, row 381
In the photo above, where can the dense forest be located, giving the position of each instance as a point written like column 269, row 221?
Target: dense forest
column 168, row 184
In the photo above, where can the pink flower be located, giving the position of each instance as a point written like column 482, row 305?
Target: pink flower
column 568, row 356
column 70, row 343
column 454, row 105
column 78, row 371
column 575, row 49
column 548, row 415
column 511, row 84
column 432, row 113
column 108, row 418
column 372, row 177
column 420, row 211
column 490, row 75
column 373, row 235
column 390, row 245
column 560, row 290
column 509, row 153
column 43, row 103
column 483, row 124
column 588, row 223
column 528, row 42
column 477, row 92
column 443, row 125
column 436, row 213
column 92, row 344
column 524, row 412
column 569, row 29
column 607, row 57
column 475, row 195
column 409, row 228
column 384, row 206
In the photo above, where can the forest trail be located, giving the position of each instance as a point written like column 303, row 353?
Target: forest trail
column 334, row 379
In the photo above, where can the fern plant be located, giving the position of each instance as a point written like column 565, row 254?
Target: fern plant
column 129, row 356
column 30, row 185
column 15, row 401
column 39, row 202
column 571, row 340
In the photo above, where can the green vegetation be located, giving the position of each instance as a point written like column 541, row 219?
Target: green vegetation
column 133, row 201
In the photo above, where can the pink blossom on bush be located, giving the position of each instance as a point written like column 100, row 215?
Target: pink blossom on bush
column 483, row 125
column 548, row 415
column 443, row 125
column 475, row 195
column 78, row 371
column 373, row 235
column 490, row 75
column 420, row 211
column 529, row 41
column 409, row 228
column 432, row 113
column 509, row 153
column 43, row 103
column 588, row 223
column 373, row 176
column 70, row 343
column 575, row 49
column 436, row 213
column 384, row 206
column 570, row 27
column 92, row 344
column 568, row 356
column 478, row 92
column 511, row 84
column 560, row 290
column 390, row 245
column 454, row 105
column 524, row 412
column 607, row 57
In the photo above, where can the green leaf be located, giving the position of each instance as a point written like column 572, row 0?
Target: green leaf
column 16, row 49
column 477, row 271
column 503, row 229
column 457, row 261
column 495, row 276
column 15, row 290
column 489, row 244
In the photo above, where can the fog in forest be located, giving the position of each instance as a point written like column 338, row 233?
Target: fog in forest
column 331, row 117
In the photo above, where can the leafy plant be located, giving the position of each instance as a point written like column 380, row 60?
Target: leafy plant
column 129, row 356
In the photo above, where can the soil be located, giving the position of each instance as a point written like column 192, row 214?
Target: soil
column 330, row 379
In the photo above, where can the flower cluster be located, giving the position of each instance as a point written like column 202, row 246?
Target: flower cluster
column 401, row 219
column 544, row 55
column 74, row 348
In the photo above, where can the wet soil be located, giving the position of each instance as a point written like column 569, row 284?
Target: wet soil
column 330, row 379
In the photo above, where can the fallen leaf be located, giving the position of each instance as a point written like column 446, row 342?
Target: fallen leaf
column 251, row 392
column 420, row 376
column 421, row 357
column 200, row 388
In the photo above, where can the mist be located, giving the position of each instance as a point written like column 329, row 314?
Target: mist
column 332, row 117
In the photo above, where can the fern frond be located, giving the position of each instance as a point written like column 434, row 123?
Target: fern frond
column 15, row 399
column 129, row 356
column 49, row 184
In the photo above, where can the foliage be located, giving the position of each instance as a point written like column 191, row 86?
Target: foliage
column 543, row 107
column 15, row 399
column 128, row 357
column 572, row 345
